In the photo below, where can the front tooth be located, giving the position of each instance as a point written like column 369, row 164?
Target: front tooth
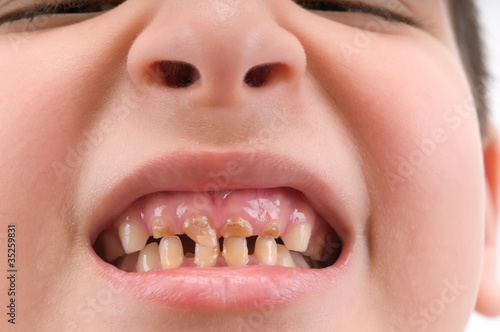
column 297, row 238
column 171, row 252
column 149, row 257
column 205, row 256
column 284, row 257
column 266, row 250
column 235, row 251
column 132, row 236
column 237, row 227
column 198, row 228
column 111, row 246
column 273, row 229
column 160, row 228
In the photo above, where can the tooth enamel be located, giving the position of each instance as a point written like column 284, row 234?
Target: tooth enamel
column 149, row 257
column 273, row 229
column 111, row 246
column 266, row 250
column 171, row 252
column 235, row 251
column 299, row 260
column 132, row 236
column 198, row 228
column 128, row 263
column 316, row 248
column 237, row 227
column 297, row 238
column 284, row 257
column 205, row 256
column 161, row 229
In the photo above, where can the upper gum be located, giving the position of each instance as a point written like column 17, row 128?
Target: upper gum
column 283, row 204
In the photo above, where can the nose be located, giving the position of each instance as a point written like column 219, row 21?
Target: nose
column 216, row 49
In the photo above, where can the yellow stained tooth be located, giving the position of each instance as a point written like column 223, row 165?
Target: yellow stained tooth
column 149, row 258
column 235, row 251
column 111, row 246
column 206, row 256
column 132, row 236
column 199, row 229
column 237, row 227
column 266, row 250
column 273, row 229
column 297, row 238
column 171, row 252
column 284, row 257
column 161, row 228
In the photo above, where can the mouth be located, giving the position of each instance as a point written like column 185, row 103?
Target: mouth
column 222, row 248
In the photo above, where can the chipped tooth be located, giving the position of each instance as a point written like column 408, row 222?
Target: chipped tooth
column 128, row 263
column 297, row 238
column 235, row 251
column 237, row 227
column 273, row 229
column 299, row 260
column 205, row 256
column 149, row 258
column 284, row 257
column 111, row 246
column 132, row 236
column 160, row 228
column 198, row 228
column 266, row 250
column 171, row 252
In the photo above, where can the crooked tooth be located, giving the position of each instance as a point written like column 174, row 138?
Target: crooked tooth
column 171, row 252
column 266, row 250
column 160, row 228
column 299, row 260
column 111, row 246
column 273, row 229
column 132, row 236
column 235, row 251
column 128, row 263
column 206, row 256
column 284, row 257
column 297, row 238
column 237, row 227
column 149, row 257
column 198, row 228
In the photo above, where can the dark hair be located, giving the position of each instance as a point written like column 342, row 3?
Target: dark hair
column 468, row 35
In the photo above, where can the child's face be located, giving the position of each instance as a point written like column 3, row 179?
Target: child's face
column 370, row 119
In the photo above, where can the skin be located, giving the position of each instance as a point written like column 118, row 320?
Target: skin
column 372, row 98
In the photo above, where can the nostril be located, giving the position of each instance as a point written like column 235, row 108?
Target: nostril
column 177, row 74
column 259, row 75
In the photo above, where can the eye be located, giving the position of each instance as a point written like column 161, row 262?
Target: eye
column 60, row 8
column 354, row 7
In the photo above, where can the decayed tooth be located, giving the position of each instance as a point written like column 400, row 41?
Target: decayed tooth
column 273, row 229
column 284, row 257
column 149, row 257
column 171, row 252
column 132, row 236
column 297, row 238
column 205, row 256
column 266, row 250
column 237, row 227
column 160, row 228
column 111, row 246
column 198, row 228
column 128, row 263
column 299, row 260
column 235, row 251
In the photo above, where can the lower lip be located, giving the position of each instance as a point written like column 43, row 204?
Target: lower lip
column 222, row 288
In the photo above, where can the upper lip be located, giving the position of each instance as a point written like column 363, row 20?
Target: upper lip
column 217, row 171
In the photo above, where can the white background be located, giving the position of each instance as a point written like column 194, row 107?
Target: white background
column 490, row 11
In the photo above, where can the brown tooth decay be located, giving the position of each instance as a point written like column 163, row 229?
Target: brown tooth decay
column 273, row 229
column 199, row 229
column 237, row 227
column 160, row 228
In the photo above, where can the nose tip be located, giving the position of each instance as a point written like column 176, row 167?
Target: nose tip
column 196, row 48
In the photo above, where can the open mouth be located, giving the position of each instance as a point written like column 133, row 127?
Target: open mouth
column 233, row 228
